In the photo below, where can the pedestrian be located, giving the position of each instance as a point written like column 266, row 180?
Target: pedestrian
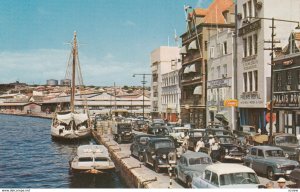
column 185, row 143
column 199, row 145
column 270, row 185
column 210, row 141
column 214, row 151
column 281, row 183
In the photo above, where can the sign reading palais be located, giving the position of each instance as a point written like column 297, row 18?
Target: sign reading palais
column 286, row 100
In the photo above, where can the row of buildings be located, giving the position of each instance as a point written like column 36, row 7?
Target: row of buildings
column 222, row 71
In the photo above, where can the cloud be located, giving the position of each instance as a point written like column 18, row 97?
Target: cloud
column 129, row 23
column 36, row 66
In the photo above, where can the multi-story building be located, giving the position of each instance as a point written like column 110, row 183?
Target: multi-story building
column 163, row 60
column 220, row 78
column 286, row 87
column 193, row 78
column 253, row 62
column 170, row 93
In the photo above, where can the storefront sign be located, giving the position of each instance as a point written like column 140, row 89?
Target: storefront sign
column 250, row 98
column 250, row 63
column 231, row 103
column 288, row 62
column 249, row 28
column 213, row 108
column 286, row 99
column 219, row 83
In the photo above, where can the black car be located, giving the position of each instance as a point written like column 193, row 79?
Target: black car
column 157, row 130
column 139, row 125
column 122, row 132
column 217, row 132
column 160, row 153
column 229, row 149
column 139, row 144
column 194, row 137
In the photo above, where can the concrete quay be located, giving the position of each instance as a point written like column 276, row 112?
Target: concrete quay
column 134, row 173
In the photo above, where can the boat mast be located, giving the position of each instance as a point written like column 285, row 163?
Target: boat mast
column 74, row 51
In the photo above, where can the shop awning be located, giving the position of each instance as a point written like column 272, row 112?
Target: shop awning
column 192, row 68
column 193, row 45
column 222, row 116
column 186, row 69
column 198, row 90
column 183, row 50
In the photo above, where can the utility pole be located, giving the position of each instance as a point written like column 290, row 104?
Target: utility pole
column 143, row 82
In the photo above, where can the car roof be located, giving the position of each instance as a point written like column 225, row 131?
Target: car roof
column 186, row 128
column 197, row 130
column 226, row 168
column 266, row 147
column 160, row 139
column 191, row 154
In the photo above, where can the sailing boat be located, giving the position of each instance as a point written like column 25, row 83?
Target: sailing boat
column 70, row 124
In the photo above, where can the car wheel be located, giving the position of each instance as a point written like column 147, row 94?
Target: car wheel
column 141, row 158
column 156, row 168
column 189, row 182
column 270, row 173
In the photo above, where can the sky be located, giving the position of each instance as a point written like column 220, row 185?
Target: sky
column 116, row 37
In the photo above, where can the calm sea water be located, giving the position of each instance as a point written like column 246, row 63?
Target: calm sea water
column 30, row 159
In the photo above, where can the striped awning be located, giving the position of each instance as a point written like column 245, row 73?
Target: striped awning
column 192, row 68
column 183, row 50
column 186, row 69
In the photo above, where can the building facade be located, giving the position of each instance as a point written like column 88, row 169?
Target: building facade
column 202, row 23
column 220, row 78
column 286, row 87
column 253, row 62
column 163, row 60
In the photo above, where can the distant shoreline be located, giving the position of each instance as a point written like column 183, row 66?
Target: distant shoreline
column 40, row 115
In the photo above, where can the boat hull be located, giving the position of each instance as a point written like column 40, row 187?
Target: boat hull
column 82, row 135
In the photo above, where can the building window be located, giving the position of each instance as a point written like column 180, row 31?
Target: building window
column 245, row 47
column 212, row 52
column 225, row 71
column 205, row 45
column 250, row 8
column 255, row 9
column 221, row 50
column 278, row 77
column 255, row 80
column 250, row 45
column 289, row 77
column 212, row 73
column 225, row 47
column 245, row 10
column 219, row 72
column 250, row 80
column 245, row 82
column 255, row 43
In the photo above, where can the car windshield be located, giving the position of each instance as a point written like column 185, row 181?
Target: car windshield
column 161, row 131
column 164, row 144
column 197, row 134
column 238, row 178
column 225, row 140
column 286, row 140
column 200, row 160
column 274, row 153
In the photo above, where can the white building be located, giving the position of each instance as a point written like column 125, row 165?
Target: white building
column 253, row 62
column 163, row 60
column 220, row 78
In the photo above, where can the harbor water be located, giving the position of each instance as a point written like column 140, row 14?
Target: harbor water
column 30, row 159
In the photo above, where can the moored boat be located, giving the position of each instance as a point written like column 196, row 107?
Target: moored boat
column 92, row 159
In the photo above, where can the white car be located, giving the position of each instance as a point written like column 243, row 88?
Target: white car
column 226, row 175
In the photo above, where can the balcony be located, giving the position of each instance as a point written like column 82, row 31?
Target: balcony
column 189, row 80
column 191, row 101
column 192, row 55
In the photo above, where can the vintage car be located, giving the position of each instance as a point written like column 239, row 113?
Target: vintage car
column 139, row 125
column 287, row 142
column 194, row 137
column 157, row 130
column 226, row 175
column 217, row 132
column 122, row 132
column 191, row 164
column 269, row 160
column 160, row 153
column 178, row 134
column 295, row 177
column 139, row 144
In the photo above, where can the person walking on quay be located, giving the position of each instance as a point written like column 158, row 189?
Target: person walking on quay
column 270, row 185
column 281, row 183
column 199, row 145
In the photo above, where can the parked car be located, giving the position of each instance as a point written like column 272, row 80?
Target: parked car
column 138, row 125
column 226, row 175
column 139, row 145
column 122, row 132
column 160, row 153
column 194, row 137
column 269, row 160
column 178, row 134
column 217, row 132
column 157, row 130
column 295, row 177
column 191, row 164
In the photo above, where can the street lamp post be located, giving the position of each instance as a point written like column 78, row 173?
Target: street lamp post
column 143, row 82
column 273, row 48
